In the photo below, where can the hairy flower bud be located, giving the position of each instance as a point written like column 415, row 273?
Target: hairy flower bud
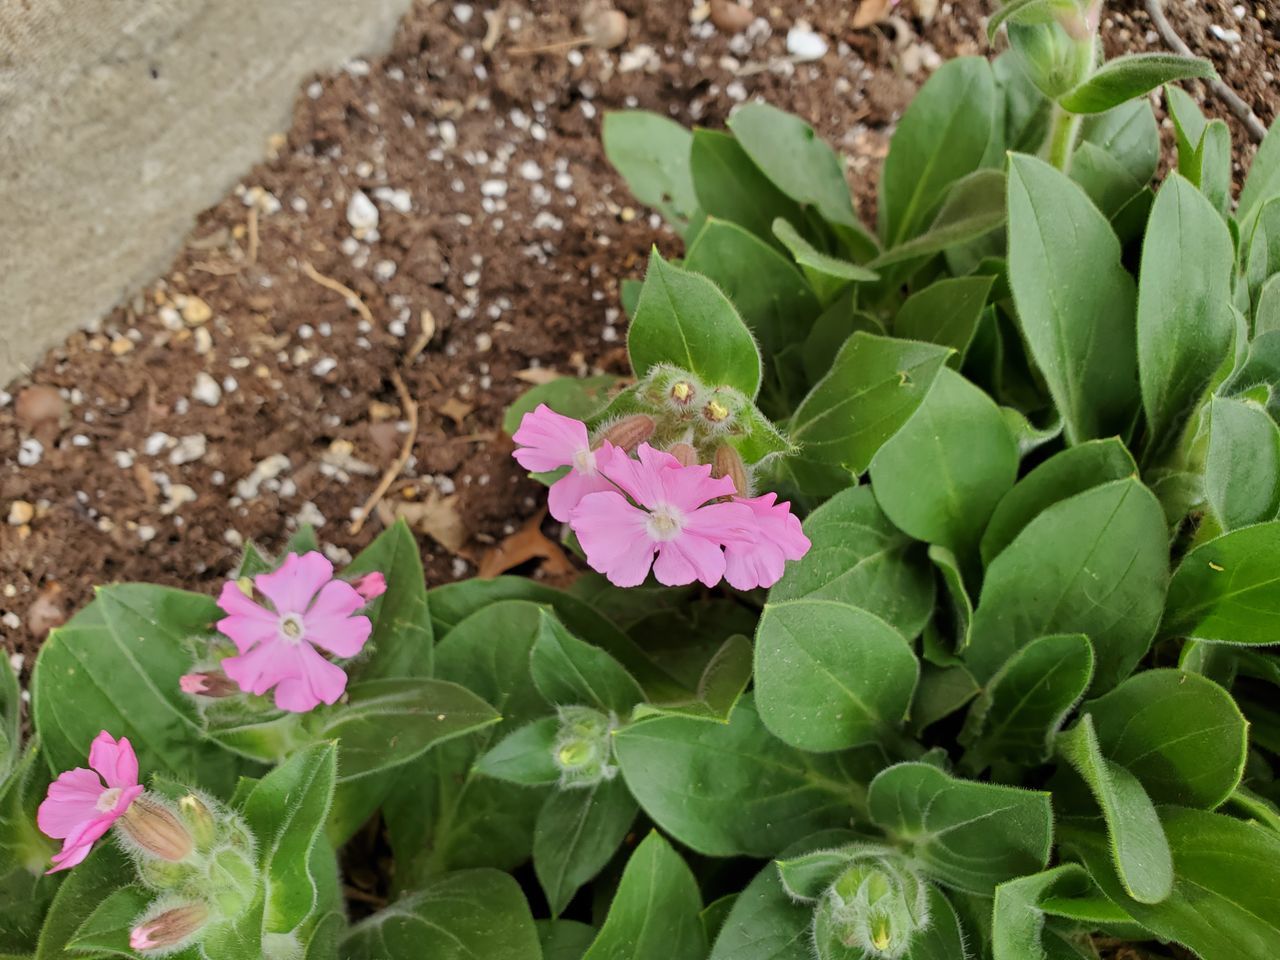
column 629, row 432
column 685, row 453
column 155, row 830
column 873, row 910
column 170, row 929
column 1056, row 56
column 683, row 392
column 583, row 747
column 211, row 683
column 370, row 586
column 199, row 819
column 727, row 463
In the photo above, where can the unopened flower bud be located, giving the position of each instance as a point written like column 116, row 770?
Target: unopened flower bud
column 728, row 463
column 199, row 819
column 171, row 929
column 682, row 392
column 873, row 910
column 233, row 880
column 370, row 586
column 154, row 829
column 583, row 747
column 629, row 432
column 716, row 412
column 211, row 683
column 685, row 453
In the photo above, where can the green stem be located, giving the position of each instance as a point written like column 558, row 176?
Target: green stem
column 1062, row 138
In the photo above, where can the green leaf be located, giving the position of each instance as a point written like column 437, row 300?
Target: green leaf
column 1266, row 316
column 1211, row 169
column 470, row 915
column 1242, row 470
column 652, row 154
column 1095, row 564
column 946, row 313
column 1139, row 849
column 1075, row 300
column 969, row 458
column 858, row 557
column 1015, row 719
column 871, row 390
column 722, row 683
column 524, row 756
column 656, row 884
column 959, row 609
column 941, row 137
column 766, row 289
column 106, row 869
column 828, row 275
column 1188, row 125
column 731, row 790
column 1027, row 13
column 730, row 186
column 1063, row 475
column 1179, row 733
column 1226, row 872
column 115, row 666
column 974, row 206
column 1184, row 324
column 578, row 832
column 831, row 676
column 401, row 641
column 286, row 812
column 107, row 928
column 944, row 938
column 564, row 939
column 10, row 719
column 1262, row 183
column 570, row 396
column 942, row 691
column 1129, row 76
column 567, row 671
column 1228, row 590
column 968, row 835
column 1020, row 908
column 684, row 320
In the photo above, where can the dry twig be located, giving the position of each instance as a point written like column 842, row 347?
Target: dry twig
column 352, row 297
column 410, row 407
column 1242, row 110
column 253, row 234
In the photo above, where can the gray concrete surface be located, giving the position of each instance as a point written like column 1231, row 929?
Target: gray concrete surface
column 121, row 119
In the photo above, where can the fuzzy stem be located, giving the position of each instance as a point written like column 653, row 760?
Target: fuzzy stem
column 1062, row 137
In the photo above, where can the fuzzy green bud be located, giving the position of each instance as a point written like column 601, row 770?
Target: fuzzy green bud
column 232, row 880
column 199, row 820
column 583, row 747
column 872, row 912
column 1055, row 57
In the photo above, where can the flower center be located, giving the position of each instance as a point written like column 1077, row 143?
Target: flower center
column 291, row 628
column 665, row 523
column 108, row 799
column 584, row 461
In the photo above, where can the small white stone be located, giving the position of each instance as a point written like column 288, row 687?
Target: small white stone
column 361, row 212
column 188, row 449
column 206, row 390
column 310, row 514
column 398, row 200
column 11, row 620
column 323, row 366
column 805, row 45
column 384, row 270
column 29, row 452
column 124, row 459
column 146, row 533
column 462, row 12
column 1226, row 36
column 493, row 188
column 266, row 469
column 530, row 170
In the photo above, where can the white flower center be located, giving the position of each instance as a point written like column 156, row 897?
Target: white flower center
column 108, row 799
column 665, row 523
column 291, row 628
column 584, row 461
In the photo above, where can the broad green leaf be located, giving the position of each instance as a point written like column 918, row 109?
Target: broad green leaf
column 941, row 137
column 1063, row 475
column 829, row 675
column 1188, row 125
column 871, row 390
column 106, row 869
column 1262, row 183
column 1262, row 249
column 524, row 756
column 1228, row 590
column 469, row 915
column 1212, row 172
column 569, row 672
column 1242, row 470
column 656, row 884
column 809, row 875
column 946, row 313
column 974, row 206
column 1179, row 733
column 1125, row 77
column 858, row 557
column 723, row 681
column 401, row 641
column 944, row 938
column 942, row 691
column 940, row 476
column 1266, row 316
column 968, row 835
column 286, row 812
column 1224, row 904
column 570, row 396
column 1184, row 325
column 652, row 154
column 115, row 666
column 1103, row 177
column 1075, row 300
column 730, row 186
column 1257, row 373
column 10, row 719
column 577, row 833
column 734, row 789
column 1018, row 927
column 833, row 327
column 957, row 613
column 1095, row 564
column 1139, row 849
column 766, row 289
column 1029, row 436
column 1016, row 717
column 828, row 275
column 685, row 638
column 106, row 931
column 684, row 320
column 25, row 889
column 564, row 939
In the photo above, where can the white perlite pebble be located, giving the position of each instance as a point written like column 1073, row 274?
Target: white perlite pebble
column 398, row 200
column 29, row 452
column 530, row 170
column 267, row 469
column 805, row 45
column 189, row 449
column 493, row 188
column 361, row 212
column 206, row 390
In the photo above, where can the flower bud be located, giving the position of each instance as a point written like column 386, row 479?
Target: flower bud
column 683, row 392
column 233, row 880
column 629, row 432
column 370, row 586
column 153, row 828
column 199, row 819
column 873, row 910
column 583, row 747
column 170, row 929
column 728, row 463
column 211, row 683
column 685, row 453
column 715, row 411
column 1055, row 57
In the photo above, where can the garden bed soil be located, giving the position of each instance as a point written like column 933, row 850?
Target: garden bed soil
column 245, row 393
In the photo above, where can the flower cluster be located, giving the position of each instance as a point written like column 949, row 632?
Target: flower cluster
column 659, row 510
column 281, row 643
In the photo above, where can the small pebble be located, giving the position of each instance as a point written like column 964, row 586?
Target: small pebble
column 29, row 452
column 805, row 45
column 21, row 512
column 361, row 212
column 206, row 390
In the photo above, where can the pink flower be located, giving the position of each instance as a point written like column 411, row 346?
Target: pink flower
column 669, row 514
column 278, row 644
column 549, row 441
column 779, row 538
column 80, row 807
column 371, row 586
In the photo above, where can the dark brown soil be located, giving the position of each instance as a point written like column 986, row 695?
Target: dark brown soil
column 238, row 396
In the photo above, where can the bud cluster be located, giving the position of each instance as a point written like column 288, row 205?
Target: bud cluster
column 583, row 747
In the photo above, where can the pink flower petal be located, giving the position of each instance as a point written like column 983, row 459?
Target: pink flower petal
column 117, row 762
column 248, row 624
column 688, row 488
column 71, row 802
column 292, row 587
column 262, row 667
column 330, row 624
column 371, row 586
column 639, row 479
column 779, row 537
column 318, row 681
column 549, row 440
column 567, row 492
column 687, row 558
column 615, row 537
